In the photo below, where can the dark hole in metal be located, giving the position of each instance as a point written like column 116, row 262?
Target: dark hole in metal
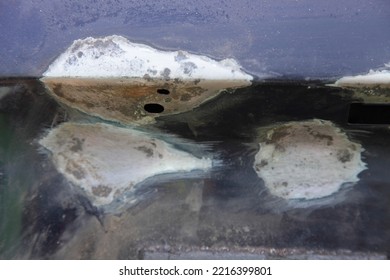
column 154, row 108
column 162, row 91
column 363, row 113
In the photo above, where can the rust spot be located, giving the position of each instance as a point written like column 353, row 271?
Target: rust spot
column 344, row 156
column 101, row 191
column 74, row 168
column 321, row 136
column 148, row 151
column 77, row 145
column 262, row 163
column 125, row 110
column 185, row 97
column 57, row 88
column 123, row 99
column 278, row 134
column 89, row 104
column 280, row 148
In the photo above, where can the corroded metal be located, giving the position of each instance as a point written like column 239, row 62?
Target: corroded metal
column 124, row 99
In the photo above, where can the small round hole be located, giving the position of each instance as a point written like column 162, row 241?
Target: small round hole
column 162, row 91
column 154, row 108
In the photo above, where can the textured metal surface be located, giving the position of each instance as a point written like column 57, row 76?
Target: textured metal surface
column 125, row 100
column 294, row 38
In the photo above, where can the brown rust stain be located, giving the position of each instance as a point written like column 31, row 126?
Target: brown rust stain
column 57, row 88
column 261, row 164
column 185, row 97
column 344, row 156
column 322, row 136
column 101, row 191
column 278, row 134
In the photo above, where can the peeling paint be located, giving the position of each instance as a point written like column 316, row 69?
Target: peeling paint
column 374, row 78
column 123, row 100
column 307, row 160
column 110, row 160
column 372, row 87
column 114, row 79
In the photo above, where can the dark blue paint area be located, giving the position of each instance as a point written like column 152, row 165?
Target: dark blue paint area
column 288, row 38
column 22, row 35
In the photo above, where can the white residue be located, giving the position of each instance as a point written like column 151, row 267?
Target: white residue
column 105, row 161
column 115, row 56
column 307, row 160
column 373, row 77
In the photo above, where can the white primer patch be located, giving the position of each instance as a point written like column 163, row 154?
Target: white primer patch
column 307, row 160
column 106, row 161
column 115, row 56
column 372, row 78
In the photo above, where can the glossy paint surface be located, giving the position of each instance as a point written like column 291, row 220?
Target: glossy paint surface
column 325, row 39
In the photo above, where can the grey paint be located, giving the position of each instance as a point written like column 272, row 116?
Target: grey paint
column 301, row 38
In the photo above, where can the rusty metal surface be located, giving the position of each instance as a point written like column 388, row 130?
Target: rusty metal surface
column 229, row 214
column 124, row 99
